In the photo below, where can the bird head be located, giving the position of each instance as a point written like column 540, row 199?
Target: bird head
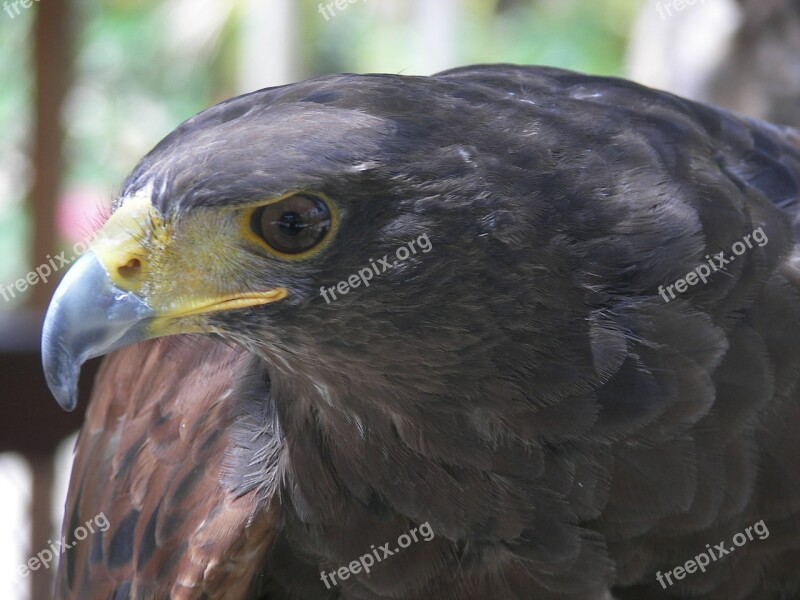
column 348, row 225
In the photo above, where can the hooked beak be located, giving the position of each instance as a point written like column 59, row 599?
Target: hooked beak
column 139, row 282
column 88, row 316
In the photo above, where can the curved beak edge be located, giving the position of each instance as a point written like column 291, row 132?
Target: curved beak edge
column 88, row 316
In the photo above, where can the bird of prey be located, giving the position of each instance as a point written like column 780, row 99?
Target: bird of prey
column 571, row 373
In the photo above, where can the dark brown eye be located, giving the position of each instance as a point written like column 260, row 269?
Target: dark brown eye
column 292, row 225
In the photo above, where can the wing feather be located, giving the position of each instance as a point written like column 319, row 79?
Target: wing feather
column 151, row 460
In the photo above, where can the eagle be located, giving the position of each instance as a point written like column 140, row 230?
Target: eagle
column 503, row 332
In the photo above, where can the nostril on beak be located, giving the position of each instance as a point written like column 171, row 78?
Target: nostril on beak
column 131, row 269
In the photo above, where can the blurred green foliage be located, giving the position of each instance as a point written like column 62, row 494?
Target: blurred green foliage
column 583, row 35
column 15, row 87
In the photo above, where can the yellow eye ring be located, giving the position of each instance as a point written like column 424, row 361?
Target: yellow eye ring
column 293, row 226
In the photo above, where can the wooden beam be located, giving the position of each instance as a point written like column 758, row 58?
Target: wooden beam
column 52, row 58
column 42, row 529
column 52, row 51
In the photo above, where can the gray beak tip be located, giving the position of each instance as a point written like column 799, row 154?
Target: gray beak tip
column 88, row 316
column 61, row 376
column 67, row 398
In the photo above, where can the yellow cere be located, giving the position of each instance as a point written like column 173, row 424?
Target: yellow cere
column 192, row 267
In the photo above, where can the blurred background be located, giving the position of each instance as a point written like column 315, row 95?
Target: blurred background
column 88, row 86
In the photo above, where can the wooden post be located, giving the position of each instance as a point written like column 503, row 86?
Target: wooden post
column 53, row 62
column 41, row 580
column 52, row 57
